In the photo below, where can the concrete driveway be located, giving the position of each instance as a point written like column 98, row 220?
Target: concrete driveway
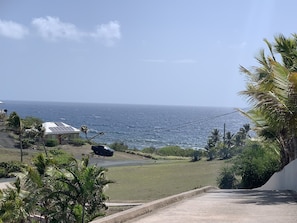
column 227, row 206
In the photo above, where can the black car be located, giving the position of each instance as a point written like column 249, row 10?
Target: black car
column 102, row 150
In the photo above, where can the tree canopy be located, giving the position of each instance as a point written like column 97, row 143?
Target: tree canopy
column 271, row 90
column 57, row 187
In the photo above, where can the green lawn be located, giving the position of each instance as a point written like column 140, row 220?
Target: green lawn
column 143, row 183
column 151, row 182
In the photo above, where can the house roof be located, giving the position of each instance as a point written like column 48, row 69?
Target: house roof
column 58, row 128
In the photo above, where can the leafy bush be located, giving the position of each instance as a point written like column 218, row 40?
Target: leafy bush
column 119, row 146
column 170, row 151
column 30, row 121
column 77, row 142
column 3, row 172
column 227, row 179
column 149, row 150
column 27, row 143
column 197, row 155
column 175, row 151
column 257, row 164
column 6, row 168
column 51, row 142
column 190, row 152
column 60, row 157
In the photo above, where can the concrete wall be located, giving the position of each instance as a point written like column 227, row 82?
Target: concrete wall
column 146, row 208
column 286, row 179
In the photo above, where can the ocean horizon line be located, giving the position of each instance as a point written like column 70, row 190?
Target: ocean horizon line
column 118, row 104
column 136, row 125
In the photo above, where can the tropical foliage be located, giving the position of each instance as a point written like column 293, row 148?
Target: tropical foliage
column 252, row 167
column 227, row 178
column 272, row 91
column 15, row 124
column 14, row 206
column 28, row 130
column 85, row 130
column 119, row 146
column 7, row 169
column 58, row 190
column 228, row 145
column 257, row 163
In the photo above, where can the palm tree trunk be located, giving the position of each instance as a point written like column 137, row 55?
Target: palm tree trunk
column 293, row 149
column 284, row 151
column 21, row 146
column 45, row 150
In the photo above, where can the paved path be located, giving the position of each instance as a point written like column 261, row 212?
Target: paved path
column 227, row 206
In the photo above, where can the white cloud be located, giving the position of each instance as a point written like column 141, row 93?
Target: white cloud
column 51, row 28
column 12, row 30
column 109, row 32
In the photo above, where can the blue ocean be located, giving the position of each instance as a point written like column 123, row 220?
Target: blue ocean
column 138, row 126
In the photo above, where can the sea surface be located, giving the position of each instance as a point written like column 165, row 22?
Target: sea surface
column 138, row 126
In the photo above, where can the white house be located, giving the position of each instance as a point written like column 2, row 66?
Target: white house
column 60, row 131
column 2, row 112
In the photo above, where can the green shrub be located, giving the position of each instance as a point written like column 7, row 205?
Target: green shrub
column 119, row 146
column 6, row 168
column 197, row 154
column 77, row 142
column 30, row 121
column 169, row 151
column 51, row 142
column 27, row 143
column 149, row 150
column 227, row 179
column 175, row 151
column 257, row 164
column 60, row 157
column 3, row 172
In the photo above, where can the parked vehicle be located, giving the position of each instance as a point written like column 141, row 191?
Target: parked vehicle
column 102, row 150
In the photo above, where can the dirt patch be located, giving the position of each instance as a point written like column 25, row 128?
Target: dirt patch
column 5, row 140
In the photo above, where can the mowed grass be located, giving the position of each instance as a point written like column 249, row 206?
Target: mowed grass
column 142, row 183
column 150, row 182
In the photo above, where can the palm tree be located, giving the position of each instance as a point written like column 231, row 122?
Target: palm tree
column 226, row 150
column 229, row 139
column 40, row 134
column 14, row 123
column 73, row 193
column 13, row 204
column 36, row 181
column 85, row 130
column 210, row 149
column 272, row 91
column 215, row 136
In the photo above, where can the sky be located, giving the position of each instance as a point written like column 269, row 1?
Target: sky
column 155, row 52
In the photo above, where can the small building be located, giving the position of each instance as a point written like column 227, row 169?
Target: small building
column 3, row 112
column 60, row 131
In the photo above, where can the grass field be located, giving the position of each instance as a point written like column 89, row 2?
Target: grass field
column 151, row 182
column 142, row 183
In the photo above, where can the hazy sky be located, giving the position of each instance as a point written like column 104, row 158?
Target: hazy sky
column 164, row 52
